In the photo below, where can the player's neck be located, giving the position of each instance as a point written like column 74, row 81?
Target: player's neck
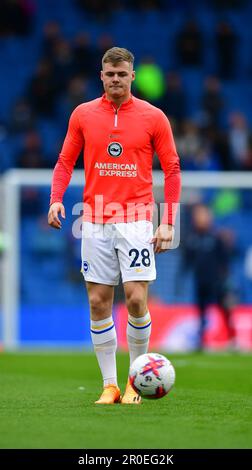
column 117, row 102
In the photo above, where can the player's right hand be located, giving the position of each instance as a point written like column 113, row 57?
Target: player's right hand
column 53, row 215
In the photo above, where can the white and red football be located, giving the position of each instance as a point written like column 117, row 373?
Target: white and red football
column 152, row 375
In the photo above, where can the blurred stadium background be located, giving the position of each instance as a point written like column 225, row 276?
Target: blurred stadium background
column 193, row 59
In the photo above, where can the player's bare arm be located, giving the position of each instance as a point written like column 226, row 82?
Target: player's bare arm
column 53, row 215
column 163, row 238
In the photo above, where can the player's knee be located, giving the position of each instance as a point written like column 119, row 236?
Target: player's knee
column 99, row 306
column 135, row 304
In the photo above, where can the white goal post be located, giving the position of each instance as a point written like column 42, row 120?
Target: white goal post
column 12, row 182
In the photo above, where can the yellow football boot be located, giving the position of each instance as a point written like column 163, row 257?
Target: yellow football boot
column 111, row 394
column 130, row 397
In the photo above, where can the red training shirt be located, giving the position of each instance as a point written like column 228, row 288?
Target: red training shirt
column 119, row 145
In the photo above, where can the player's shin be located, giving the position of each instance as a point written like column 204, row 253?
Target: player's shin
column 138, row 335
column 104, row 339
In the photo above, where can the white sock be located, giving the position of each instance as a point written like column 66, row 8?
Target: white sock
column 104, row 339
column 138, row 335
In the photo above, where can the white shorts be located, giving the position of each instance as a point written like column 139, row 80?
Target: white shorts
column 112, row 249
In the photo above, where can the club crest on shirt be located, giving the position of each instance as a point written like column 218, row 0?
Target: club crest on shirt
column 115, row 149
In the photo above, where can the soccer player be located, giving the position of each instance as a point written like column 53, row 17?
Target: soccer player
column 119, row 134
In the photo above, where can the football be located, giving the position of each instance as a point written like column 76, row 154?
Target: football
column 152, row 375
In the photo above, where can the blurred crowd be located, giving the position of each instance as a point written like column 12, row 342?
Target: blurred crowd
column 209, row 137
column 67, row 74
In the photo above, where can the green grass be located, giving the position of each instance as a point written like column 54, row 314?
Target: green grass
column 47, row 401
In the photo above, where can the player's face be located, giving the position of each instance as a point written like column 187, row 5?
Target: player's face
column 117, row 80
column 202, row 218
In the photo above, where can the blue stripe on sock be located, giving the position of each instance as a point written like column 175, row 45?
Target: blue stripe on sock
column 103, row 331
column 139, row 327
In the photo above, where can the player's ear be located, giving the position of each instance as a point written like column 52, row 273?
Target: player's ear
column 133, row 75
column 101, row 75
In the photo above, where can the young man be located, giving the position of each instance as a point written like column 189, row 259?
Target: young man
column 119, row 134
column 204, row 246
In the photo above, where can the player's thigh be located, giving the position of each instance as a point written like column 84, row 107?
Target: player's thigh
column 135, row 251
column 99, row 259
column 139, row 287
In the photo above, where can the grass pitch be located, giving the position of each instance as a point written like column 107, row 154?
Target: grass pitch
column 47, row 401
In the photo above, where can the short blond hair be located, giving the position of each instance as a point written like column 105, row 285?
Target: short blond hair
column 116, row 55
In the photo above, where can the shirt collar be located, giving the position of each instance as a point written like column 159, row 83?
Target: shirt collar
column 110, row 105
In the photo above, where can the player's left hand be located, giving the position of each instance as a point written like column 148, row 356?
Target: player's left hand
column 53, row 215
column 163, row 238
